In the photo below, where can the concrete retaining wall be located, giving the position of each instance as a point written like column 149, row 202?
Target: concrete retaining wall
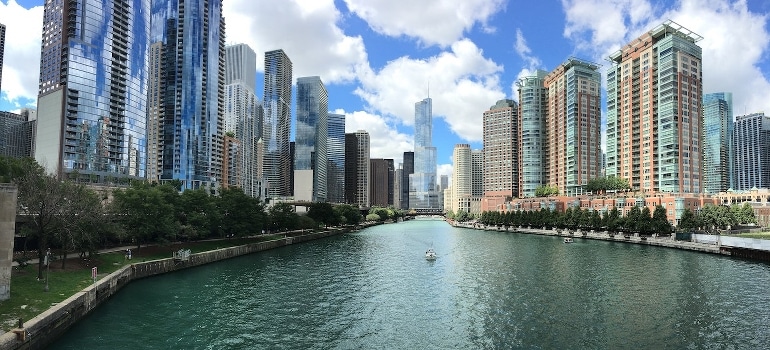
column 43, row 329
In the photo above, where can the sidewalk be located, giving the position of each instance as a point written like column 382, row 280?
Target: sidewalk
column 34, row 260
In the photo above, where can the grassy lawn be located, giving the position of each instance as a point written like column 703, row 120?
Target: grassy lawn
column 28, row 298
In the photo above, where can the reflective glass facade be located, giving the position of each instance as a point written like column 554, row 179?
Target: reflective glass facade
column 192, row 87
column 718, row 128
column 752, row 151
column 335, row 166
column 277, row 123
column 422, row 183
column 310, row 139
column 93, row 89
column 533, row 153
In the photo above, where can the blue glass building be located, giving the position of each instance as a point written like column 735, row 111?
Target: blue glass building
column 92, row 99
column 718, row 155
column 310, row 141
column 532, row 127
column 277, row 123
column 422, row 183
column 335, row 166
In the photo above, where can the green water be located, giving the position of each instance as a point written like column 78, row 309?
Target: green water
column 487, row 290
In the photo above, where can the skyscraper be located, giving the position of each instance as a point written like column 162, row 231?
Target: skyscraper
column 2, row 51
column 243, row 114
column 532, row 147
column 92, row 98
column 752, row 151
column 190, row 39
column 381, row 184
column 501, row 151
column 422, row 183
column 408, row 170
column 462, row 179
column 311, row 138
column 17, row 133
column 718, row 155
column 277, row 123
column 335, row 167
column 654, row 113
column 574, row 126
column 357, row 176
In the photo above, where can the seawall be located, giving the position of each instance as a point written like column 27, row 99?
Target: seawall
column 46, row 327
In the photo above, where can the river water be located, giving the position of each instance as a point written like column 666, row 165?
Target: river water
column 487, row 290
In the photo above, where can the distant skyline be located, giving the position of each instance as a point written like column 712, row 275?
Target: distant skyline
column 377, row 57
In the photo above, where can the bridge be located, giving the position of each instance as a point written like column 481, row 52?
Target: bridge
column 424, row 211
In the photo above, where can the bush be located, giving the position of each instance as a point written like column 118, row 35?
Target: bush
column 373, row 217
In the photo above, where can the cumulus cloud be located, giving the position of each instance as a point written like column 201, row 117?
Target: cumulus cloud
column 531, row 62
column 306, row 30
column 437, row 22
column 386, row 141
column 21, row 62
column 608, row 23
column 463, row 84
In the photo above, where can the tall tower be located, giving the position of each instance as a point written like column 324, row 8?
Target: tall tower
column 310, row 140
column 381, row 183
column 574, row 126
column 654, row 113
column 501, row 151
column 752, row 151
column 92, row 98
column 277, row 123
column 335, row 166
column 533, row 143
column 408, row 170
column 462, row 179
column 191, row 38
column 718, row 155
column 357, row 176
column 2, row 51
column 422, row 183
column 243, row 114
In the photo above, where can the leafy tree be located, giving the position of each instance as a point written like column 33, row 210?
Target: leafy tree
column 348, row 214
column 242, row 215
column 144, row 214
column 373, row 217
column 660, row 221
column 688, row 221
column 306, row 223
column 633, row 219
column 546, row 190
column 81, row 220
column 613, row 219
column 282, row 217
column 595, row 220
column 744, row 214
column 323, row 213
column 645, row 224
column 197, row 214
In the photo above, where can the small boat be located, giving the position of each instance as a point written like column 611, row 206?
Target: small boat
column 430, row 254
column 568, row 240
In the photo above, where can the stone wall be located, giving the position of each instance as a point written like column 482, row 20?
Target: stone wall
column 43, row 329
column 8, row 198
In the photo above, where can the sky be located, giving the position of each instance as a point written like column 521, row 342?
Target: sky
column 378, row 57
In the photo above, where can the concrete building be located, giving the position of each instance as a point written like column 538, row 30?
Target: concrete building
column 381, row 185
column 92, row 97
column 501, row 153
column 357, row 176
column 335, row 166
column 231, row 163
column 752, row 151
column 408, row 170
column 17, row 133
column 718, row 155
column 277, row 123
column 533, row 151
column 462, row 179
column 311, row 140
column 2, row 52
column 654, row 112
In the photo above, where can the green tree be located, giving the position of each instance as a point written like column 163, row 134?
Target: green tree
column 323, row 213
column 144, row 213
column 241, row 214
column 688, row 221
column 645, row 225
column 282, row 217
column 348, row 214
column 546, row 190
column 613, row 219
column 660, row 221
column 197, row 214
column 743, row 213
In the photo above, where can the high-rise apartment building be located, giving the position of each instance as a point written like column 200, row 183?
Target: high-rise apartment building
column 311, row 140
column 277, row 123
column 357, row 176
column 189, row 37
column 654, row 113
column 2, row 51
column 92, row 98
column 422, row 183
column 501, row 152
column 574, row 126
column 17, row 133
column 243, row 115
column 462, row 179
column 752, row 151
column 381, row 184
column 408, row 169
column 718, row 129
column 533, row 143
column 335, row 166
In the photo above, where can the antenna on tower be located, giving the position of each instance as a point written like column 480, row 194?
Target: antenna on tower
column 428, row 88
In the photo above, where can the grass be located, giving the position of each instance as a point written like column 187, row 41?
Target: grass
column 28, row 298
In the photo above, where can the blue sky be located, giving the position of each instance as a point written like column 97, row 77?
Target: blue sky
column 378, row 57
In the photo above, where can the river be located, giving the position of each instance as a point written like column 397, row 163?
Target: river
column 374, row 289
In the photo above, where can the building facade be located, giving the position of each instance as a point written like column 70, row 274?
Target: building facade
column 462, row 179
column 654, row 113
column 191, row 38
column 335, row 157
column 277, row 123
column 422, row 183
column 501, row 151
column 17, row 133
column 357, row 155
column 381, row 185
column 718, row 155
column 752, row 151
column 92, row 97
column 408, row 169
column 533, row 143
column 311, row 139
column 2, row 52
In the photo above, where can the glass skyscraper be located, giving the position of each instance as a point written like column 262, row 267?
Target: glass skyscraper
column 191, row 38
column 310, row 141
column 532, row 118
column 752, row 151
column 335, row 166
column 92, row 99
column 718, row 128
column 422, row 183
column 277, row 123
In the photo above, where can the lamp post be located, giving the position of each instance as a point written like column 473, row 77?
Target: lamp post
column 47, row 267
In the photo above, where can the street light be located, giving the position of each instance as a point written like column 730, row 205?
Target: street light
column 47, row 267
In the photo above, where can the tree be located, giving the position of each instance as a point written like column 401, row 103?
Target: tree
column 197, row 214
column 613, row 219
column 632, row 220
column 348, row 214
column 144, row 213
column 81, row 220
column 744, row 214
column 546, row 190
column 282, row 217
column 242, row 215
column 645, row 225
column 660, row 220
column 688, row 221
column 323, row 213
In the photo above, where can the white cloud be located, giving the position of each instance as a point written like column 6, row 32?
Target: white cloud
column 532, row 62
column 305, row 29
column 21, row 62
column 440, row 22
column 445, row 169
column 609, row 23
column 386, row 141
column 463, row 84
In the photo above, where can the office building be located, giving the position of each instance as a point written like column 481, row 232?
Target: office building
column 654, row 113
column 92, row 98
column 408, row 170
column 190, row 40
column 277, row 123
column 462, row 179
column 311, row 141
column 533, row 144
column 335, row 165
column 752, row 151
column 17, row 133
column 422, row 183
column 501, row 152
column 357, row 155
column 718, row 155
column 398, row 178
column 381, row 184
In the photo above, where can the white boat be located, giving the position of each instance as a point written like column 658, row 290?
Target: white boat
column 568, row 240
column 430, row 254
